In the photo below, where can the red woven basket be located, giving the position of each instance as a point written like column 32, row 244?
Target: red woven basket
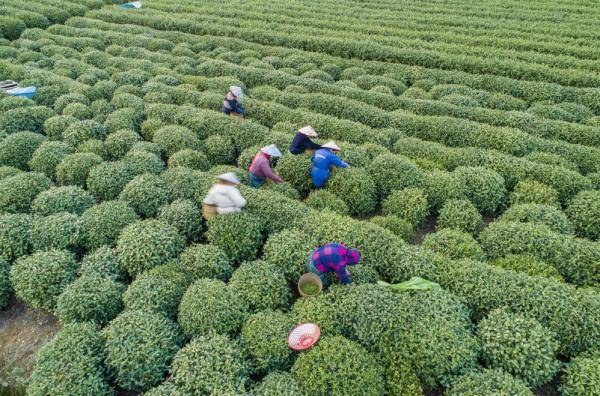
column 304, row 336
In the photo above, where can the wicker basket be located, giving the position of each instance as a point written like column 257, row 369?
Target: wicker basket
column 209, row 211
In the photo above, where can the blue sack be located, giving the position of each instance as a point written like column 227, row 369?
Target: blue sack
column 27, row 92
column 132, row 5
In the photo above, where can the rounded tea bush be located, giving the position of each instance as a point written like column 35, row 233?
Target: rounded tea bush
column 409, row 204
column 74, row 168
column 483, row 187
column 219, row 149
column 120, row 142
column 81, row 131
column 356, row 188
column 518, row 345
column 154, row 294
column 146, row 244
column 106, row 180
column 397, row 225
column 17, row 149
column 262, row 285
column 174, row 138
column 461, row 215
column 454, row 244
column 93, row 146
column 47, row 156
column 581, row 376
column 294, row 169
column 184, row 215
column 102, row 262
column 488, row 382
column 55, row 126
column 209, row 305
column 103, row 223
column 394, row 172
column 584, row 212
column 39, row 279
column 288, row 250
column 442, row 186
column 320, row 310
column 14, row 235
column 205, row 261
column 187, row 183
column 531, row 191
column 528, row 264
column 192, row 159
column 210, row 364
column 29, row 118
column 146, row 194
column 264, row 338
column 400, row 379
column 57, row 231
column 326, row 200
column 142, row 162
column 8, row 171
column 336, row 365
column 139, row 348
column 90, row 299
column 238, row 234
column 18, row 192
column 284, row 188
column 540, row 214
column 277, row 383
column 5, row 287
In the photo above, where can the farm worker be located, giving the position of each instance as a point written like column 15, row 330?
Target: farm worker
column 231, row 103
column 225, row 195
column 302, row 141
column 322, row 160
column 260, row 169
column 333, row 257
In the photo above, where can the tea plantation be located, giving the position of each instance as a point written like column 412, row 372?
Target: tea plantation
column 472, row 130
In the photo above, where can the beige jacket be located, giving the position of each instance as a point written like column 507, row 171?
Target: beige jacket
column 227, row 199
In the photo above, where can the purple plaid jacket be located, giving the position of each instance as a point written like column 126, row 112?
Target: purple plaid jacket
column 334, row 257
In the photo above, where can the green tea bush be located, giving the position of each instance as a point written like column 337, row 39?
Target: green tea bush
column 184, row 215
column 118, row 143
column 12, row 27
column 7, row 171
column 277, row 383
column 454, row 244
column 192, row 159
column 488, row 382
column 581, row 376
column 205, row 261
column 146, row 244
column 90, row 299
column 584, row 212
column 30, row 118
column 149, row 126
column 397, row 225
column 416, row 93
column 219, row 149
column 71, row 364
column 139, row 348
column 122, row 119
column 288, row 250
column 80, row 131
column 18, row 192
column 103, row 223
column 74, row 168
column 461, row 215
column 175, row 138
column 531, row 191
column 264, row 338
column 93, row 146
column 142, row 162
column 18, row 148
column 238, row 234
column 148, row 147
column 187, row 183
column 39, row 279
column 295, row 169
column 409, row 204
column 102, row 262
column 518, row 345
column 209, row 305
column 14, row 235
column 539, row 214
column 57, row 231
column 146, row 194
column 55, row 126
column 400, row 379
column 356, row 188
column 338, row 366
column 284, row 189
column 326, row 200
column 440, row 187
column 247, row 156
column 318, row 309
column 69, row 98
column 210, row 364
column 5, row 287
column 543, row 157
column 528, row 264
column 154, row 294
column 394, row 172
column 483, row 187
column 108, row 179
column 47, row 156
column 262, row 285
column 78, row 110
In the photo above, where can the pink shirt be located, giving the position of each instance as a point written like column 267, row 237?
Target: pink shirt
column 260, row 167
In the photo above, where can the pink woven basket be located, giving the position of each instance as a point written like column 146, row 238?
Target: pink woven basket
column 304, row 336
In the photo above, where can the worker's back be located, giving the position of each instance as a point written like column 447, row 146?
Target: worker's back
column 323, row 158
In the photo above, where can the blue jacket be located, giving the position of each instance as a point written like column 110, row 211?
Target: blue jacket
column 301, row 143
column 322, row 160
column 230, row 105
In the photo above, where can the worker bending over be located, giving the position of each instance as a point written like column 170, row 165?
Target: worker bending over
column 322, row 160
column 302, row 142
column 333, row 257
column 260, row 169
column 224, row 196
column 231, row 104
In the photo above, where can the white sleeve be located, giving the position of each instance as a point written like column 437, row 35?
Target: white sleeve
column 236, row 197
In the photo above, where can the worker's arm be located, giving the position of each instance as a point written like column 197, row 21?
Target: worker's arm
column 310, row 145
column 343, row 275
column 335, row 160
column 236, row 106
column 236, row 197
column 270, row 173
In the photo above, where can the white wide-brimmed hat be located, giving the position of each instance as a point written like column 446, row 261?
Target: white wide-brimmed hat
column 237, row 91
column 308, row 131
column 271, row 150
column 229, row 177
column 331, row 145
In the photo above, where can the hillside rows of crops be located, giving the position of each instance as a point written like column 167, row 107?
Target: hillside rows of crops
column 473, row 135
